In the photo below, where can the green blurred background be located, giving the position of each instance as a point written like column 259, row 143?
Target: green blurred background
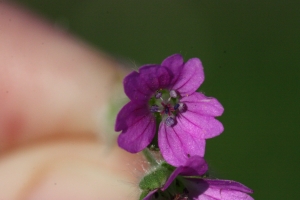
column 250, row 51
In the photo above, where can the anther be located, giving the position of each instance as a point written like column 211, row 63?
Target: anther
column 176, row 106
column 181, row 107
column 158, row 95
column 173, row 94
column 154, row 108
column 170, row 121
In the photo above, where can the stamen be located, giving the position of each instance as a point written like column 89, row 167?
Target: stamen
column 181, row 107
column 173, row 93
column 176, row 106
column 154, row 108
column 170, row 121
column 158, row 95
column 170, row 107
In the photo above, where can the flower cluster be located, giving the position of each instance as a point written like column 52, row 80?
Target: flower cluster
column 166, row 113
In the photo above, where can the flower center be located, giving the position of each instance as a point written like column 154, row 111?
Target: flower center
column 167, row 105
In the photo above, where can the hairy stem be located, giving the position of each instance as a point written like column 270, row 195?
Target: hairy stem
column 149, row 157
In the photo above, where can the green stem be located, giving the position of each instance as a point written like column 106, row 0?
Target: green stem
column 149, row 157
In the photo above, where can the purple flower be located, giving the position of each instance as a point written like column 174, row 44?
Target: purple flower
column 165, row 96
column 185, row 184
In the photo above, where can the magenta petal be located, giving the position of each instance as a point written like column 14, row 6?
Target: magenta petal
column 135, row 88
column 137, row 126
column 234, row 195
column 207, row 189
column 199, row 103
column 174, row 63
column 129, row 114
column 138, row 136
column 155, row 76
column 191, row 77
column 199, row 126
column 228, row 185
column 194, row 166
column 177, row 146
column 224, row 190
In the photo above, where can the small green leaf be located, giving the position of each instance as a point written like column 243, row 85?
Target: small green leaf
column 156, row 178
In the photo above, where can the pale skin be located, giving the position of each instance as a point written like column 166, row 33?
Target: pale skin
column 54, row 91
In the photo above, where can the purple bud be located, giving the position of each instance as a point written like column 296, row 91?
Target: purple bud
column 170, row 121
column 173, row 94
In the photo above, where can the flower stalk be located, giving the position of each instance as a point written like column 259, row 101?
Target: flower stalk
column 149, row 157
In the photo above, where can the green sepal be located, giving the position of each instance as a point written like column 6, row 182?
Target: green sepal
column 157, row 177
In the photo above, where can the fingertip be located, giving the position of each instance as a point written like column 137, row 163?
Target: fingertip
column 50, row 82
